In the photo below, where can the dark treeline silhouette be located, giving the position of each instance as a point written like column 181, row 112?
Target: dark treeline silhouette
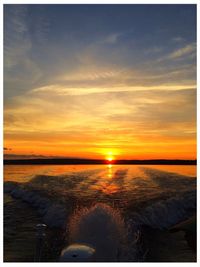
column 73, row 161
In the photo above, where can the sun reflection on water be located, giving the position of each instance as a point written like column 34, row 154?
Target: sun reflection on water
column 110, row 171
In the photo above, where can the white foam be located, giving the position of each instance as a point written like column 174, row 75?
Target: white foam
column 54, row 215
column 102, row 228
column 166, row 213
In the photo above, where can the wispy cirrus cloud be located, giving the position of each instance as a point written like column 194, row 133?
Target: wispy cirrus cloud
column 21, row 37
column 111, row 38
column 16, row 40
column 187, row 51
column 178, row 39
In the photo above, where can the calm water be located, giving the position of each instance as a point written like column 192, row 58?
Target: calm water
column 155, row 195
column 24, row 173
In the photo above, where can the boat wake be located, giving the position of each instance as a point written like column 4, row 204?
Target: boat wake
column 51, row 197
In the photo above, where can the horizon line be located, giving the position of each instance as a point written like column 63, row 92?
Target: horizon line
column 73, row 161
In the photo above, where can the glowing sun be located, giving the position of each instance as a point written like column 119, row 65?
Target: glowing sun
column 110, row 157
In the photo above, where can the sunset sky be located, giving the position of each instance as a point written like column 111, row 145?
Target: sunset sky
column 100, row 81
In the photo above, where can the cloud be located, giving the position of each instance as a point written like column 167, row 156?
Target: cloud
column 147, row 109
column 123, row 66
column 21, row 69
column 42, row 28
column 111, row 38
column 178, row 39
column 184, row 51
column 72, row 63
column 188, row 51
column 62, row 90
column 154, row 50
column 26, row 156
column 17, row 41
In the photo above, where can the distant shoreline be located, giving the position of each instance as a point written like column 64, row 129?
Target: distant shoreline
column 74, row 161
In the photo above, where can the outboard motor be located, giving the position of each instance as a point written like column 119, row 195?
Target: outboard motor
column 96, row 234
column 77, row 253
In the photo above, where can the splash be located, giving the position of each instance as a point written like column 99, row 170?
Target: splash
column 166, row 213
column 102, row 229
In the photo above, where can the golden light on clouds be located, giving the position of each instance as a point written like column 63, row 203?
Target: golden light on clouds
column 138, row 124
column 110, row 95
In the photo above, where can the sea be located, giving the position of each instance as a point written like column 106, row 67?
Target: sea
column 157, row 196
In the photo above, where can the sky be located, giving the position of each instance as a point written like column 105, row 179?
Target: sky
column 100, row 81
